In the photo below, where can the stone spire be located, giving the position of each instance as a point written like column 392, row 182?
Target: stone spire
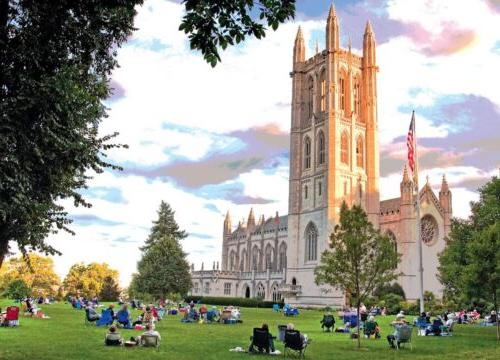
column 406, row 187
column 299, row 49
column 444, row 185
column 317, row 47
column 446, row 204
column 406, row 177
column 332, row 31
column 251, row 220
column 227, row 224
column 369, row 58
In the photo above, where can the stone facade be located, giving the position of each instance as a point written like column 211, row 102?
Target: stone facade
column 334, row 157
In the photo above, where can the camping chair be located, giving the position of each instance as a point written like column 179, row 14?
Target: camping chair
column 293, row 343
column 369, row 329
column 276, row 308
column 260, row 340
column 123, row 318
column 403, row 335
column 106, row 318
column 150, row 341
column 421, row 325
column 88, row 319
column 328, row 322
column 12, row 316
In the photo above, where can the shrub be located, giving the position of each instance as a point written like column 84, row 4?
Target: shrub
column 225, row 301
column 393, row 288
column 392, row 303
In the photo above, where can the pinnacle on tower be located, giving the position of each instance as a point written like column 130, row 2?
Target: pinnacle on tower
column 251, row 219
column 444, row 185
column 317, row 47
column 299, row 49
column 332, row 31
column 406, row 177
column 331, row 12
column 368, row 28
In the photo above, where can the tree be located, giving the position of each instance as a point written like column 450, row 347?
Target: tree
column 17, row 289
column 110, row 290
column 88, row 280
column 217, row 24
column 164, row 226
column 38, row 274
column 55, row 59
column 162, row 270
column 470, row 264
column 361, row 258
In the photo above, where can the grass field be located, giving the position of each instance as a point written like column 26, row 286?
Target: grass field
column 65, row 336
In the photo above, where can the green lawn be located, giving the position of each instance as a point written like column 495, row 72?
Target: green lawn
column 65, row 336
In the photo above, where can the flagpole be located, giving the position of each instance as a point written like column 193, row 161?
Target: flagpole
column 419, row 240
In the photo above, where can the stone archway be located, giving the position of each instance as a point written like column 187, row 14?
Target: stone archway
column 247, row 292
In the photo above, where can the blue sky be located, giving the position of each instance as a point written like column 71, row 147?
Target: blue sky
column 208, row 140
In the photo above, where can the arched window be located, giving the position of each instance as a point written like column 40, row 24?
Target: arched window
column 322, row 91
column 357, row 97
column 275, row 293
column 242, row 262
column 321, row 148
column 344, row 148
column 342, row 92
column 282, row 257
column 310, row 97
column 307, row 153
column 231, row 260
column 360, row 152
column 269, row 256
column 255, row 257
column 261, row 291
column 311, row 242
column 306, row 192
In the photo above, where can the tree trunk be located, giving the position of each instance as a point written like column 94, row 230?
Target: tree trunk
column 358, row 304
column 496, row 312
column 4, row 250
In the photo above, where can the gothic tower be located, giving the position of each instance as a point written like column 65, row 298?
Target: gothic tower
column 226, row 234
column 333, row 149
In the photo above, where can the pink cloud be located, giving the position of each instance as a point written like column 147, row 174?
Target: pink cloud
column 450, row 40
column 494, row 5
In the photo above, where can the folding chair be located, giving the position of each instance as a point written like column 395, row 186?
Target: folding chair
column 403, row 336
column 12, row 316
column 328, row 322
column 294, row 344
column 260, row 340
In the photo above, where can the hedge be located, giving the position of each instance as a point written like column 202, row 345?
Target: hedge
column 225, row 301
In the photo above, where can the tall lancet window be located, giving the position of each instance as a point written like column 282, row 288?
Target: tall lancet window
column 311, row 242
column 322, row 91
column 357, row 98
column 307, row 153
column 321, row 148
column 344, row 148
column 342, row 86
column 360, row 152
column 310, row 97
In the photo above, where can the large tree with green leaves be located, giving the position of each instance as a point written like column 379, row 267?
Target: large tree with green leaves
column 89, row 280
column 165, row 225
column 56, row 58
column 360, row 258
column 470, row 264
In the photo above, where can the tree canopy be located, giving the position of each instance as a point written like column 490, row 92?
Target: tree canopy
column 217, row 24
column 38, row 274
column 360, row 258
column 165, row 225
column 470, row 264
column 89, row 280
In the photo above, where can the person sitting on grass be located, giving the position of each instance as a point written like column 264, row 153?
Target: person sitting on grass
column 373, row 327
column 328, row 321
column 123, row 316
column 113, row 338
column 435, row 327
column 111, row 308
column 264, row 327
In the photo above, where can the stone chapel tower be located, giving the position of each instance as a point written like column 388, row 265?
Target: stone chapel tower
column 333, row 150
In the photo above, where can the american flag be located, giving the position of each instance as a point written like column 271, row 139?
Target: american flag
column 410, row 142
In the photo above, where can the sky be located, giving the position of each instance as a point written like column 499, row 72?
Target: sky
column 210, row 140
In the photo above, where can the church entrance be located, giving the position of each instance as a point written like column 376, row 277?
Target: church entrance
column 247, row 292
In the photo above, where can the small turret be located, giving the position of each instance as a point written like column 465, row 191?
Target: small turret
column 445, row 195
column 406, row 187
column 332, row 31
column 299, row 49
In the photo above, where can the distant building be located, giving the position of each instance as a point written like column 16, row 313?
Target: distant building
column 334, row 157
